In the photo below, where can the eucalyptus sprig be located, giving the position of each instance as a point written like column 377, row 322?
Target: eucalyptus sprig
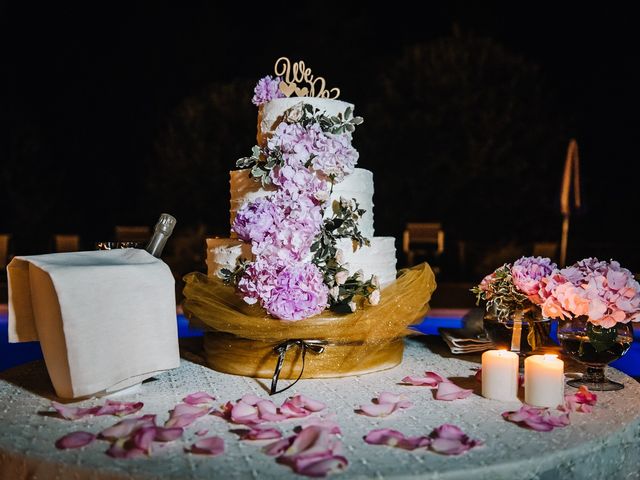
column 261, row 162
column 336, row 124
column 502, row 295
column 343, row 224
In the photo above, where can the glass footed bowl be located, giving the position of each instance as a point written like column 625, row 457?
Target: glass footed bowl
column 595, row 347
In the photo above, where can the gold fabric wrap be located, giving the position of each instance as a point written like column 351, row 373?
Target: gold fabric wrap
column 241, row 338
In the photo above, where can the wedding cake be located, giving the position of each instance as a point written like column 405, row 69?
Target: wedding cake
column 302, row 229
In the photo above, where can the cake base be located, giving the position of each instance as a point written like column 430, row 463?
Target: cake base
column 252, row 358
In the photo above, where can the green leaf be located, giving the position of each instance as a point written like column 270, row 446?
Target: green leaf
column 601, row 338
column 348, row 112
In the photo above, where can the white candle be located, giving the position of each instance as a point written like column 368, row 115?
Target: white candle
column 543, row 381
column 500, row 375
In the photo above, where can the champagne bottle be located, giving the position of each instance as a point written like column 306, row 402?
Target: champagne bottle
column 161, row 233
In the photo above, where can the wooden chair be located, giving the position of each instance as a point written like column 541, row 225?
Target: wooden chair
column 418, row 237
column 134, row 233
column 66, row 243
column 4, row 250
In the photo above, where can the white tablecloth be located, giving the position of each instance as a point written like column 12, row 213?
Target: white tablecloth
column 603, row 444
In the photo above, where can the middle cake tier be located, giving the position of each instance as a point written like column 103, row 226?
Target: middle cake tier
column 358, row 185
column 379, row 258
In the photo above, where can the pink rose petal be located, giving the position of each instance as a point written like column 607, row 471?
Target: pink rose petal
column 538, row 419
column 328, row 423
column 125, row 428
column 244, row 413
column 251, row 399
column 120, row 409
column 75, row 440
column 123, row 448
column 394, row 438
column 388, row 397
column 309, row 403
column 143, row 438
column 384, row 436
column 199, row 398
column 385, row 404
column 581, row 401
column 449, row 391
column 430, row 379
column 74, row 413
column 261, row 433
column 278, row 448
column 168, row 434
column 324, row 467
column 378, row 410
column 449, row 439
column 213, row 446
column 184, row 415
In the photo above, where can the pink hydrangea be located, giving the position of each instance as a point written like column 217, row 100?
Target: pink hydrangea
column 298, row 292
column 335, row 156
column 604, row 291
column 527, row 273
column 266, row 90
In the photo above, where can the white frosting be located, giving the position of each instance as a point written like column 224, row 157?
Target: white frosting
column 377, row 259
column 358, row 185
column 270, row 113
column 224, row 253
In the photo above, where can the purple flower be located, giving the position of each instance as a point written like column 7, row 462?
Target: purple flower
column 335, row 156
column 298, row 292
column 527, row 273
column 266, row 90
column 258, row 280
column 298, row 182
column 297, row 143
column 255, row 220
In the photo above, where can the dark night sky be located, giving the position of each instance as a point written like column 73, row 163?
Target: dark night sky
column 93, row 84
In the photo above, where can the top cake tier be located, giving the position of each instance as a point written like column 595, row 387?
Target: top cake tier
column 270, row 114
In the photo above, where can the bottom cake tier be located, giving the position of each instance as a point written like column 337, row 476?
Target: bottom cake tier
column 252, row 358
column 379, row 258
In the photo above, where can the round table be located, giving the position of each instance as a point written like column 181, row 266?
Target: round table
column 602, row 444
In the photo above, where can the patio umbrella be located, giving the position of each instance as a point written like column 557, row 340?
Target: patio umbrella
column 571, row 176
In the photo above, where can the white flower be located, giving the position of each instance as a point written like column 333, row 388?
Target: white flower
column 374, row 297
column 294, row 114
column 375, row 281
column 341, row 277
column 353, row 306
column 322, row 195
column 360, row 276
column 334, row 292
column 339, row 256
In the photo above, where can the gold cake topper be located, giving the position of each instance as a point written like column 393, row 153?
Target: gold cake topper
column 294, row 76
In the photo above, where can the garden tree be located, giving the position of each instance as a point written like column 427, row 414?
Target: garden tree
column 462, row 131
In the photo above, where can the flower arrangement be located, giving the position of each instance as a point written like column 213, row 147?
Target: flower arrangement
column 298, row 271
column 515, row 286
column 603, row 291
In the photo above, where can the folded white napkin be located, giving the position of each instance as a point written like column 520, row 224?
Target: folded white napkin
column 106, row 320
